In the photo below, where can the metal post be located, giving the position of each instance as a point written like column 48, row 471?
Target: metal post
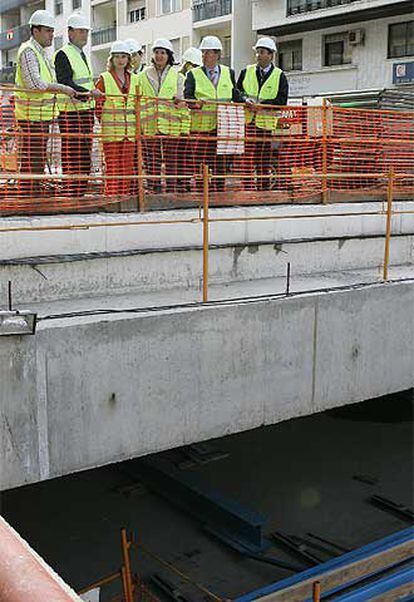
column 140, row 171
column 324, row 154
column 127, row 579
column 205, row 231
column 316, row 592
column 390, row 191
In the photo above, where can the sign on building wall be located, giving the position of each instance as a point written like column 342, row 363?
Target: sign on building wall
column 403, row 73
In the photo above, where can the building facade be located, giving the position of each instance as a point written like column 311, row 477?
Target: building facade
column 339, row 45
column 14, row 16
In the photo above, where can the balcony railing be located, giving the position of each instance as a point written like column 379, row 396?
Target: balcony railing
column 296, row 7
column 6, row 5
column 210, row 9
column 14, row 37
column 7, row 75
column 103, row 36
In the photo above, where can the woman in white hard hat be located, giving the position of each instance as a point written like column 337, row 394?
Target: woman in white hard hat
column 166, row 121
column 136, row 50
column 117, row 116
column 191, row 58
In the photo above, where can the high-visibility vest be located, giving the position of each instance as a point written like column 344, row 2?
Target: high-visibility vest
column 263, row 119
column 118, row 118
column 82, row 76
column 206, row 119
column 161, row 117
column 37, row 105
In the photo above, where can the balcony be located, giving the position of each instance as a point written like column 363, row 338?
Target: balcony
column 6, row 5
column 7, row 75
column 296, row 7
column 211, row 9
column 104, row 35
column 14, row 37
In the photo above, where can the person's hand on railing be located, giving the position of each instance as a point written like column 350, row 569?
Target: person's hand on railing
column 95, row 93
column 196, row 105
column 66, row 90
column 179, row 103
column 251, row 105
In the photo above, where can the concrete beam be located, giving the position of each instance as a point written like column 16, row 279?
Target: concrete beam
column 88, row 391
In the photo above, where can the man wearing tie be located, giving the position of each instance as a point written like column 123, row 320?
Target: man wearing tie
column 209, row 82
column 76, row 116
column 261, row 84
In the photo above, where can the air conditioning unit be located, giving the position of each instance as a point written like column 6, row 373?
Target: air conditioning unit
column 356, row 36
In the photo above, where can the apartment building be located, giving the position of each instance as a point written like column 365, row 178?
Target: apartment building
column 14, row 16
column 184, row 22
column 338, row 45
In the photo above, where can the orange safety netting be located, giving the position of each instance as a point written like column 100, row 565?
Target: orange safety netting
column 58, row 154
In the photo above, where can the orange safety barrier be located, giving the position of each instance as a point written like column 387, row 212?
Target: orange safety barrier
column 149, row 153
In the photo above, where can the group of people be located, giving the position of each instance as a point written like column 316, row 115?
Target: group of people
column 175, row 109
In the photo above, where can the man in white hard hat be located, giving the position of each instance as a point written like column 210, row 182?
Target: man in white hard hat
column 137, row 54
column 191, row 58
column 76, row 115
column 36, row 106
column 262, row 84
column 216, row 82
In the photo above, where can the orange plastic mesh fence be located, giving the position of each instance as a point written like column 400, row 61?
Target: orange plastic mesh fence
column 149, row 153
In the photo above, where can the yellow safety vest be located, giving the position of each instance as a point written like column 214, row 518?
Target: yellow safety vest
column 118, row 113
column 36, row 105
column 206, row 119
column 161, row 117
column 265, row 119
column 82, row 76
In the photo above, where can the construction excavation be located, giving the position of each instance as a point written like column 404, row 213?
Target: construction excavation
column 207, row 367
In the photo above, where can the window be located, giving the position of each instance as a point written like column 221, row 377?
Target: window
column 401, row 40
column 58, row 42
column 76, row 4
column 336, row 49
column 136, row 10
column 138, row 14
column 58, row 7
column 169, row 6
column 290, row 55
column 176, row 45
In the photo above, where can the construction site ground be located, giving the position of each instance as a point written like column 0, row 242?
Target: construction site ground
column 312, row 474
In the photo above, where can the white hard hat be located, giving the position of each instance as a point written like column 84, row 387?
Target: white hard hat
column 211, row 43
column 193, row 55
column 133, row 45
column 163, row 43
column 119, row 47
column 42, row 18
column 267, row 43
column 77, row 21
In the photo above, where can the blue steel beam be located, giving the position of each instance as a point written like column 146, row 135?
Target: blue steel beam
column 313, row 573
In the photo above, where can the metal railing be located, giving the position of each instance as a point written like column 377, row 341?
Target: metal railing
column 7, row 75
column 6, row 5
column 296, row 7
column 103, row 36
column 14, row 37
column 211, row 9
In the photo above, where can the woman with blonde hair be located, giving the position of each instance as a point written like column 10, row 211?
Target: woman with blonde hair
column 116, row 112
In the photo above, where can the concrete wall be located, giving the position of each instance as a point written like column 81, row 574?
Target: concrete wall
column 87, row 391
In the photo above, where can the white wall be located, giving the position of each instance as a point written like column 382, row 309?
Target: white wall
column 370, row 66
column 171, row 26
